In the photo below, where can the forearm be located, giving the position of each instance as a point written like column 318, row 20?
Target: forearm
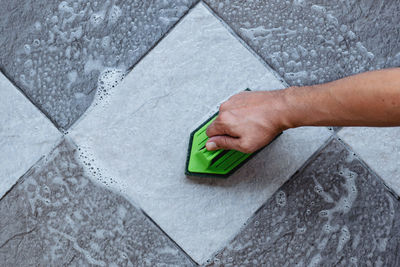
column 367, row 99
column 250, row 120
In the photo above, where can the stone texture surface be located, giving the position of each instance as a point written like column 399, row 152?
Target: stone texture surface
column 64, row 54
column 334, row 212
column 379, row 148
column 59, row 52
column 316, row 41
column 375, row 24
column 142, row 151
column 25, row 135
column 57, row 217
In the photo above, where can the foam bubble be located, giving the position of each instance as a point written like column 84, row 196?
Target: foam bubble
column 343, row 238
column 110, row 78
column 90, row 166
column 97, row 18
column 27, row 49
column 64, row 7
column 280, row 198
column 115, row 13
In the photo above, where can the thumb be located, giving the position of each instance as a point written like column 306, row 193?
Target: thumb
column 222, row 142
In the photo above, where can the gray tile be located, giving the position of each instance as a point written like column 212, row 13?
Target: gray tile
column 26, row 135
column 379, row 147
column 334, row 212
column 142, row 151
column 57, row 52
column 375, row 23
column 55, row 216
column 316, row 41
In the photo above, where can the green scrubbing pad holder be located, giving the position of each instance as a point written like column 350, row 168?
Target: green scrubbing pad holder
column 218, row 163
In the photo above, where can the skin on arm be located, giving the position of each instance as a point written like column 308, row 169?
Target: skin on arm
column 250, row 120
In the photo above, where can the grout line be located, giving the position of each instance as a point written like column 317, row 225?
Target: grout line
column 365, row 165
column 129, row 199
column 251, row 217
column 128, row 70
column 43, row 112
column 46, row 114
column 162, row 37
column 173, row 241
column 245, row 44
column 22, row 178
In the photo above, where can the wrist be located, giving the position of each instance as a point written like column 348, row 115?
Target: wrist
column 299, row 106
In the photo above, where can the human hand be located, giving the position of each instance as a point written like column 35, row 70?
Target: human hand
column 248, row 121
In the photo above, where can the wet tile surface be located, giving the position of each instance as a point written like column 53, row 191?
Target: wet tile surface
column 142, row 151
column 57, row 217
column 316, row 41
column 65, row 55
column 59, row 52
column 333, row 213
column 379, row 148
column 374, row 23
column 25, row 135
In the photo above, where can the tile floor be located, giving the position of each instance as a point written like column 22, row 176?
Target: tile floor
column 97, row 103
column 60, row 49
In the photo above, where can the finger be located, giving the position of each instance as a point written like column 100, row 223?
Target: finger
column 215, row 128
column 223, row 142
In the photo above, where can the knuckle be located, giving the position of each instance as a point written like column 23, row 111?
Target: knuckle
column 245, row 147
column 224, row 116
column 224, row 142
column 208, row 132
column 223, row 106
column 210, row 129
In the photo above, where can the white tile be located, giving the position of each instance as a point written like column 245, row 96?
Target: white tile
column 25, row 135
column 139, row 139
column 379, row 148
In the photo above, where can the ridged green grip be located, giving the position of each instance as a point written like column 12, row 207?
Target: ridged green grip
column 215, row 163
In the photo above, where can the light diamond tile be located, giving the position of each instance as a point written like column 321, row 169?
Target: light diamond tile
column 315, row 41
column 379, row 148
column 57, row 217
column 334, row 212
column 61, row 51
column 138, row 140
column 25, row 135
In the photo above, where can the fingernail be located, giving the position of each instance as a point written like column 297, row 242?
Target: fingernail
column 211, row 146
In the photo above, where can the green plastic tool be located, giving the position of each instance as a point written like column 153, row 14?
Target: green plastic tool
column 219, row 163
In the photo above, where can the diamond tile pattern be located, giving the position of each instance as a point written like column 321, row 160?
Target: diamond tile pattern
column 63, row 50
column 333, row 213
column 120, row 197
column 57, row 217
column 316, row 41
column 382, row 153
column 165, row 97
column 25, row 135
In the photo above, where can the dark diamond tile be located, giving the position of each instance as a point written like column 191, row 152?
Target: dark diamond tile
column 375, row 23
column 334, row 212
column 55, row 216
column 57, row 51
column 309, row 42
